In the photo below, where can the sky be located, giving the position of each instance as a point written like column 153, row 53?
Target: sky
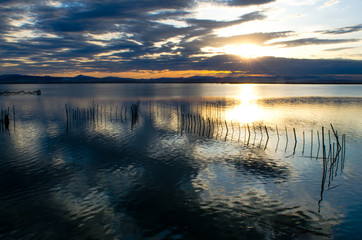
column 179, row 38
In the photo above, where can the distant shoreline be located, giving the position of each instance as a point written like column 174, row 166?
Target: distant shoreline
column 27, row 79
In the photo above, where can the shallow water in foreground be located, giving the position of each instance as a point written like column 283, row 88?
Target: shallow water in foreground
column 181, row 161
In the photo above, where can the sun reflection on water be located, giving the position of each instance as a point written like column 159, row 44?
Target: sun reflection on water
column 248, row 110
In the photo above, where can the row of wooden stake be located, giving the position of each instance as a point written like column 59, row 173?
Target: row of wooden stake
column 197, row 124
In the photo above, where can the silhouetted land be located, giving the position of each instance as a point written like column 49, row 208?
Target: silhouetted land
column 315, row 79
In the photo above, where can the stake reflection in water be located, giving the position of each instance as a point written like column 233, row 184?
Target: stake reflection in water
column 332, row 162
column 6, row 117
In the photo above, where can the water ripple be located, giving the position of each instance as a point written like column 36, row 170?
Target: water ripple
column 156, row 178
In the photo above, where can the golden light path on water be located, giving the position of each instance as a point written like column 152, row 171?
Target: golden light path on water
column 248, row 111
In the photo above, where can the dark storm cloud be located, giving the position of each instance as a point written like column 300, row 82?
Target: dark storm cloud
column 343, row 30
column 312, row 41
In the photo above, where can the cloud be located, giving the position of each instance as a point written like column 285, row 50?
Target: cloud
column 108, row 35
column 71, row 27
column 211, row 24
column 338, row 49
column 101, row 16
column 167, row 14
column 239, row 3
column 343, row 30
column 299, row 2
column 6, row 3
column 247, row 2
column 329, row 4
column 312, row 41
column 254, row 38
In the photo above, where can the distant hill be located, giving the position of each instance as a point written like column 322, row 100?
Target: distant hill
column 316, row 79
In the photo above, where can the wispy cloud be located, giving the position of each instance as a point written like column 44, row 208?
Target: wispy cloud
column 343, row 30
column 312, row 41
column 247, row 2
column 237, row 2
column 254, row 38
column 338, row 49
column 329, row 3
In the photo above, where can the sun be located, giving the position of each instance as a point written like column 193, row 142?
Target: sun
column 243, row 50
column 248, row 50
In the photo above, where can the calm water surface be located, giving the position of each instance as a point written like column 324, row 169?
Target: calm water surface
column 181, row 161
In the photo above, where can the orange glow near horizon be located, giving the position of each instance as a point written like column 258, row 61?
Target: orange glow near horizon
column 149, row 74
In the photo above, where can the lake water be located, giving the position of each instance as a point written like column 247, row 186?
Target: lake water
column 181, row 161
